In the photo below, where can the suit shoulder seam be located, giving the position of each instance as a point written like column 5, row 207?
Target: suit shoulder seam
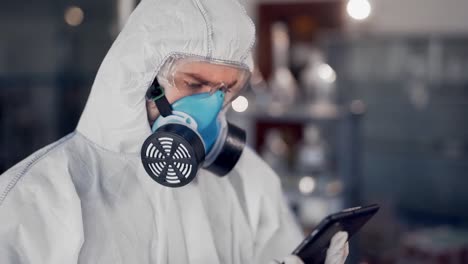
column 30, row 164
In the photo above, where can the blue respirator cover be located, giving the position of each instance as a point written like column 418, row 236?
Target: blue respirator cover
column 199, row 112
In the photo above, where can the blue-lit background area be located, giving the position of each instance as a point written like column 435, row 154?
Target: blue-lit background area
column 352, row 103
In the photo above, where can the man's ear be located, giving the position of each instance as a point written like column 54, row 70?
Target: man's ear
column 151, row 111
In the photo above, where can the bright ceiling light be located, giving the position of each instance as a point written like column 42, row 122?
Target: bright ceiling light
column 240, row 104
column 358, row 9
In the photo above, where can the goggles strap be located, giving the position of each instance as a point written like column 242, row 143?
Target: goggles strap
column 156, row 93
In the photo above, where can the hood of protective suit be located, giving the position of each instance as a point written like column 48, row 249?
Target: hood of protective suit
column 115, row 115
column 87, row 198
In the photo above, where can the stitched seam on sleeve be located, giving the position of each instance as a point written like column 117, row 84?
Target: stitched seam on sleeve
column 31, row 163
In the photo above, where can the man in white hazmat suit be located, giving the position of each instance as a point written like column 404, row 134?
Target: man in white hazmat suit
column 87, row 198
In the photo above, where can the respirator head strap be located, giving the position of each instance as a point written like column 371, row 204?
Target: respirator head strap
column 156, row 93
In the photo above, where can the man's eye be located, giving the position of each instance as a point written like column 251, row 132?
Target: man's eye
column 194, row 85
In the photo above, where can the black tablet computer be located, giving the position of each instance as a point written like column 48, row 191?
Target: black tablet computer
column 314, row 247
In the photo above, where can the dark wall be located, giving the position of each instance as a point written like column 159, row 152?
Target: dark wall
column 46, row 70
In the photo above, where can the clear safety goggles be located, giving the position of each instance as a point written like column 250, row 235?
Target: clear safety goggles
column 190, row 75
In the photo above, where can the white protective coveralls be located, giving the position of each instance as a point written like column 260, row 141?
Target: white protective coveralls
column 87, row 198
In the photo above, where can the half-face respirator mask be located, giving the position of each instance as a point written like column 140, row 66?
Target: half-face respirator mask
column 192, row 131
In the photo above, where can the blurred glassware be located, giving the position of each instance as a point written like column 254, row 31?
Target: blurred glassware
column 299, row 54
column 435, row 60
column 282, row 84
column 418, row 94
column 311, row 152
column 275, row 151
column 318, row 79
column 454, row 70
column 260, row 90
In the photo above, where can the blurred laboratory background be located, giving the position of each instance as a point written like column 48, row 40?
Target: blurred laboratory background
column 352, row 102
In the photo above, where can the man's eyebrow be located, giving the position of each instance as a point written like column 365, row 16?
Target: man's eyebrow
column 202, row 80
column 198, row 77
